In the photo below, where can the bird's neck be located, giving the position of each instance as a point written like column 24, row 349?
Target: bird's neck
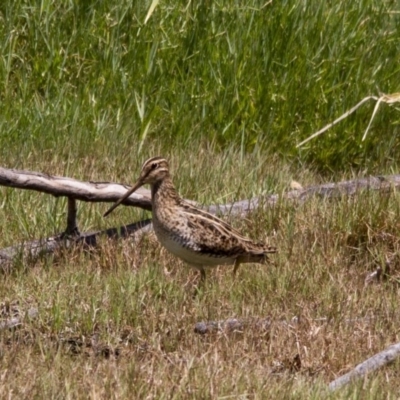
column 162, row 191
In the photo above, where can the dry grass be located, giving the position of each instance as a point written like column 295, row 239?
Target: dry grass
column 119, row 322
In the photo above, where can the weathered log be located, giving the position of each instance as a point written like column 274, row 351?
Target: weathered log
column 49, row 245
column 72, row 188
column 327, row 190
column 110, row 192
column 379, row 360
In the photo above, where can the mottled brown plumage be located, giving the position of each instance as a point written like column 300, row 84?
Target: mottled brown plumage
column 196, row 236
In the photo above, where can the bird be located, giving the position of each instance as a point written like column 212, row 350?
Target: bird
column 197, row 237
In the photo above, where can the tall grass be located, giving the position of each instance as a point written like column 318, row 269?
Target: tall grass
column 252, row 74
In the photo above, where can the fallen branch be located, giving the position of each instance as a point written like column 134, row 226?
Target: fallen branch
column 379, row 360
column 37, row 248
column 72, row 188
column 327, row 190
column 240, row 324
column 108, row 192
column 373, row 363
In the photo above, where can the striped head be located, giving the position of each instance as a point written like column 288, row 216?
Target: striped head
column 155, row 169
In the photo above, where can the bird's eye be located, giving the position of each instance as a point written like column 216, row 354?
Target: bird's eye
column 154, row 166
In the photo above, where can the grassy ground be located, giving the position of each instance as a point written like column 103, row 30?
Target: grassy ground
column 225, row 90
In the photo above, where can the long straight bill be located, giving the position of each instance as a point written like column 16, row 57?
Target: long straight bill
column 123, row 198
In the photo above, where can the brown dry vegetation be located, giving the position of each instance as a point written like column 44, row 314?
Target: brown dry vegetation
column 119, row 321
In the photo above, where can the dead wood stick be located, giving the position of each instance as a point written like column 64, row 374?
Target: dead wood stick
column 35, row 248
column 231, row 325
column 240, row 324
column 72, row 188
column 379, row 360
column 371, row 364
column 110, row 192
column 327, row 190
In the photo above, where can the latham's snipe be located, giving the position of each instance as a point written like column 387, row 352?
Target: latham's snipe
column 196, row 236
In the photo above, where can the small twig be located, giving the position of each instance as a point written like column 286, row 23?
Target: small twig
column 374, row 276
column 345, row 115
column 231, row 324
column 385, row 98
column 372, row 117
column 15, row 322
column 379, row 273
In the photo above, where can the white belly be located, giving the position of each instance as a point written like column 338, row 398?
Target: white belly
column 190, row 256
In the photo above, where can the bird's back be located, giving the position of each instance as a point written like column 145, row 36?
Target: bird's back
column 195, row 235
